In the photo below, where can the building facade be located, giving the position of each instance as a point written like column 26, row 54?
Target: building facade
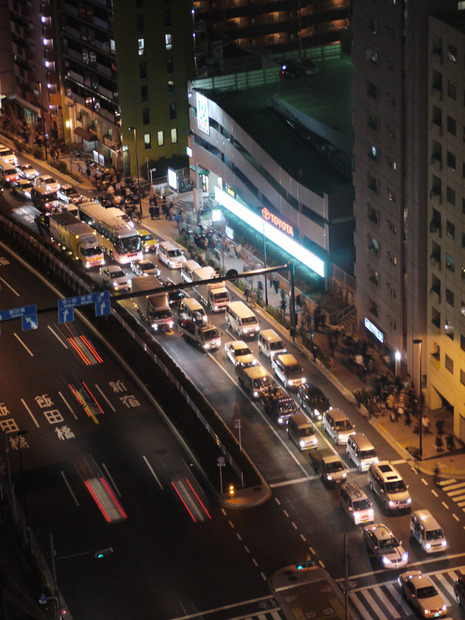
column 390, row 118
column 445, row 342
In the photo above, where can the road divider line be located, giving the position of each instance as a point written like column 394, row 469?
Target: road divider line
column 62, row 342
column 10, row 287
column 27, row 349
column 455, row 516
column 153, row 472
column 69, row 488
column 68, row 405
column 286, row 483
column 30, row 413
column 111, row 480
column 103, row 396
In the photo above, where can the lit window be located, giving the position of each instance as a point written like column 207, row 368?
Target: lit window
column 170, row 88
column 174, row 136
column 147, row 141
column 168, row 41
column 161, row 138
column 141, row 46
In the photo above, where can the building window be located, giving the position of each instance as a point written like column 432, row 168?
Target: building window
column 450, row 297
column 450, row 263
column 373, row 153
column 373, row 215
column 451, row 125
column 462, row 342
column 371, row 56
column 140, row 23
column 161, row 138
column 170, row 64
column 372, row 90
column 144, row 92
column 449, row 364
column 147, row 140
column 143, row 70
column 452, row 89
column 450, row 194
column 462, row 377
column 450, row 230
column 373, row 25
column 145, row 116
column 168, row 42
column 374, row 309
column 373, row 246
column 141, row 46
column 172, row 111
column 170, row 88
column 452, row 53
column 372, row 184
column 451, row 162
column 174, row 136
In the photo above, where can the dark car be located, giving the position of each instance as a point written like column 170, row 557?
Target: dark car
column 313, row 401
column 459, row 590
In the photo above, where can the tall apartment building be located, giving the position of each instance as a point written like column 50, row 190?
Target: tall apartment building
column 445, row 346
column 278, row 25
column 390, row 89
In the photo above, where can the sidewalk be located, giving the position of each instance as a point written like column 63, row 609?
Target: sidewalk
column 402, row 437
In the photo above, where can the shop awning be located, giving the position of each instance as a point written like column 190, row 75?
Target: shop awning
column 85, row 134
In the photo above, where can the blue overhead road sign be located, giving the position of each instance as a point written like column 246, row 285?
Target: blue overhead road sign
column 66, row 306
column 27, row 314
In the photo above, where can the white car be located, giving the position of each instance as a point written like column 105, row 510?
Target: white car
column 114, row 277
column 51, row 185
column 421, row 593
column 67, row 193
column 239, row 353
column 384, row 546
column 288, row 370
column 145, row 267
column 26, row 171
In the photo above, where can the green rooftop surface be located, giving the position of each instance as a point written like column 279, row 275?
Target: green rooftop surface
column 325, row 96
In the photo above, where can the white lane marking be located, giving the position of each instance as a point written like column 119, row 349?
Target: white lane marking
column 443, row 483
column 153, row 473
column 103, row 396
column 10, row 287
column 111, row 480
column 28, row 350
column 458, row 498
column 399, row 462
column 374, row 606
column 424, row 482
column 387, row 603
column 454, row 488
column 434, row 493
column 358, row 604
column 68, row 405
column 288, row 482
column 445, row 585
column 62, row 342
column 455, row 516
column 445, row 505
column 400, row 600
column 69, row 488
column 30, row 413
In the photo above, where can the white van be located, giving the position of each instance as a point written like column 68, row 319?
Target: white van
column 427, row 532
column 270, row 344
column 187, row 270
column 7, row 154
column 241, row 319
column 338, row 426
column 170, row 255
column 8, row 172
column 389, row 486
column 192, row 310
column 302, row 432
column 355, row 503
column 288, row 370
column 361, row 451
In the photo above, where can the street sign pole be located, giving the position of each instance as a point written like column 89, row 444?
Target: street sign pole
column 221, row 462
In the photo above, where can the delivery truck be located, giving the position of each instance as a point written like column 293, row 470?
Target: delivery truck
column 214, row 296
column 77, row 239
column 153, row 307
column 204, row 335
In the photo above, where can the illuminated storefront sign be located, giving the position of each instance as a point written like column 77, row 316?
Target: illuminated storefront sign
column 374, row 330
column 281, row 239
column 172, row 179
column 277, row 221
column 203, row 122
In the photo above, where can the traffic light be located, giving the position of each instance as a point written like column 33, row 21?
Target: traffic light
column 103, row 552
column 232, row 490
column 305, row 564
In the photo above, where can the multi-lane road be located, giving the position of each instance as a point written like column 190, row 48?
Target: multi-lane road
column 103, row 471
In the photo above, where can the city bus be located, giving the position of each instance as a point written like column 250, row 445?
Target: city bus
column 115, row 231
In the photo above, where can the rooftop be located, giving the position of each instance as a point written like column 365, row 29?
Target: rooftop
column 324, row 97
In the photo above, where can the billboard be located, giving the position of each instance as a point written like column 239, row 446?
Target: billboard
column 202, row 114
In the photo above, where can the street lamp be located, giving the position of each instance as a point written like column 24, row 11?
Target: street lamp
column 134, row 130
column 420, row 425
column 39, row 84
column 397, row 358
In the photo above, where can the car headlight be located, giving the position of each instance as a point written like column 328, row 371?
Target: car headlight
column 409, row 501
column 428, row 546
column 444, row 607
column 386, row 560
column 344, row 474
column 444, row 543
column 341, row 437
column 391, row 503
column 302, row 443
column 115, row 285
column 405, row 557
column 155, row 326
column 290, row 382
column 255, row 394
column 280, row 420
column 329, row 477
column 215, row 308
column 304, row 380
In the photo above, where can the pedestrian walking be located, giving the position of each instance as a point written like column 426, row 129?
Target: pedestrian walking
column 315, row 352
column 439, row 444
column 440, row 426
column 450, row 442
column 276, row 285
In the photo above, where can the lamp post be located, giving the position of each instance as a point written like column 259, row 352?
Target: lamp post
column 39, row 84
column 21, row 434
column 420, row 424
column 134, row 130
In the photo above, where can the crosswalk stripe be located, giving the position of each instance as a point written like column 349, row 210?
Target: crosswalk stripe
column 443, row 483
column 275, row 616
column 375, row 606
column 458, row 499
column 392, row 610
column 360, row 608
column 400, row 600
column 445, row 586
column 456, row 491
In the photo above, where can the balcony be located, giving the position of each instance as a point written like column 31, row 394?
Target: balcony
column 435, row 296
